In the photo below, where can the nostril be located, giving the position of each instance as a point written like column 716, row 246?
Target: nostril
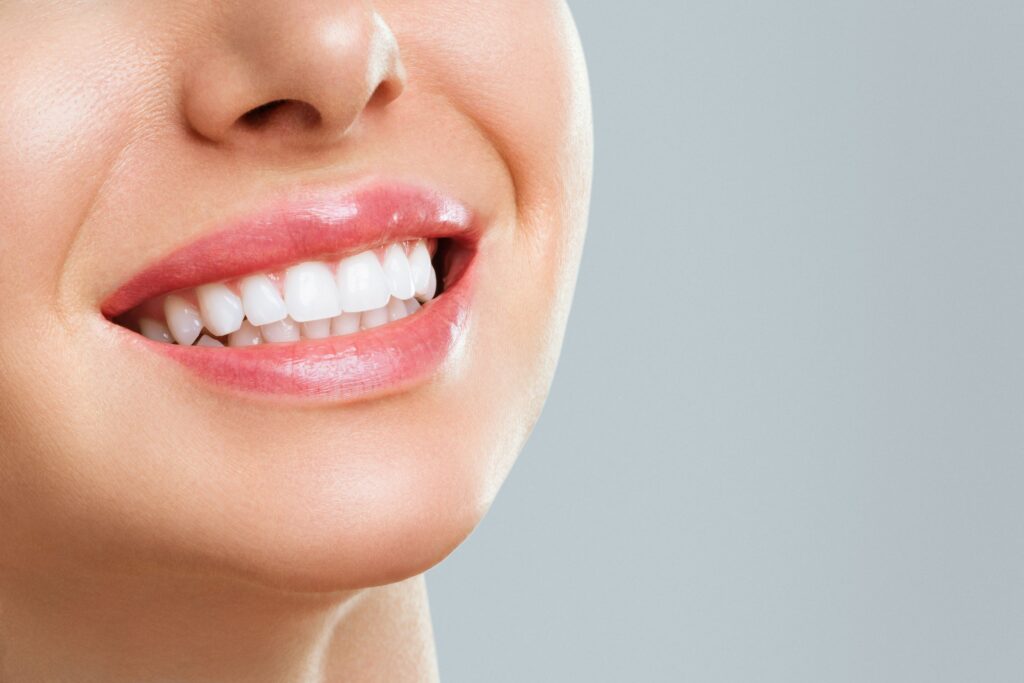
column 287, row 113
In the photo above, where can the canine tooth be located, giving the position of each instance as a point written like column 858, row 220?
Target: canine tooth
column 317, row 329
column 206, row 340
column 362, row 285
column 398, row 273
column 428, row 292
column 374, row 318
column 246, row 335
column 286, row 330
column 155, row 330
column 183, row 319
column 262, row 302
column 412, row 305
column 346, row 323
column 396, row 309
column 221, row 308
column 310, row 292
column 419, row 264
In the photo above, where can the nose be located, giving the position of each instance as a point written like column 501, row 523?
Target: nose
column 290, row 72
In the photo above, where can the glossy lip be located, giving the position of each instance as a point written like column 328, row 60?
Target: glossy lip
column 372, row 362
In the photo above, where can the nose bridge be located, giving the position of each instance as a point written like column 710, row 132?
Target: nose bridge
column 325, row 58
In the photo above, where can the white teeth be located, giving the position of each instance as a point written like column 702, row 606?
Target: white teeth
column 155, row 330
column 375, row 318
column 419, row 264
column 310, row 292
column 208, row 341
column 367, row 290
column 221, row 308
column 183, row 319
column 316, row 329
column 346, row 323
column 246, row 335
column 396, row 310
column 428, row 292
column 397, row 271
column 361, row 283
column 261, row 301
column 286, row 330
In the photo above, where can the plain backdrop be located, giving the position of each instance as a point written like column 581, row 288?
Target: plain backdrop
column 786, row 438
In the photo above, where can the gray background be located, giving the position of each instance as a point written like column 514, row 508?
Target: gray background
column 784, row 441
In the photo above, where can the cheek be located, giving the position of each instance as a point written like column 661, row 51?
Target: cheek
column 516, row 68
column 63, row 113
column 63, row 117
column 58, row 121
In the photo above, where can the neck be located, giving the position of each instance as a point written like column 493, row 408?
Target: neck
column 139, row 629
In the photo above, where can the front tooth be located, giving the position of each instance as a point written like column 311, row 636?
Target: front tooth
column 316, row 329
column 396, row 310
column 246, row 335
column 221, row 308
column 428, row 292
column 361, row 283
column 261, row 301
column 412, row 305
column 375, row 318
column 155, row 330
column 421, row 267
column 286, row 330
column 397, row 272
column 208, row 341
column 183, row 319
column 310, row 292
column 346, row 323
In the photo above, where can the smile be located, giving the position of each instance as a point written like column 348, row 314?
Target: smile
column 336, row 296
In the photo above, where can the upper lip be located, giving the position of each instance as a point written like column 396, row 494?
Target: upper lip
column 318, row 223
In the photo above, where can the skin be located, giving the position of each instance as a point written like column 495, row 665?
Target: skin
column 156, row 528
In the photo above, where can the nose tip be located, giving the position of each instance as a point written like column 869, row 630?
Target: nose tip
column 292, row 73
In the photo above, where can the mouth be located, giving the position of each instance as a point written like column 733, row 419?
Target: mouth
column 329, row 295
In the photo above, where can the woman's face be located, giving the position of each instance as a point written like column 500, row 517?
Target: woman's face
column 150, row 149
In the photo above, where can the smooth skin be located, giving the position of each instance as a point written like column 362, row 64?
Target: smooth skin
column 154, row 527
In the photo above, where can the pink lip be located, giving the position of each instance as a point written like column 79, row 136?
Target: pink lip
column 372, row 362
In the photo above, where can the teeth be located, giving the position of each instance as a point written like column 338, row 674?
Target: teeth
column 375, row 318
column 396, row 310
column 310, row 292
column 155, row 330
column 398, row 273
column 419, row 264
column 317, row 329
column 366, row 290
column 361, row 283
column 428, row 292
column 246, row 335
column 183, row 319
column 282, row 331
column 262, row 304
column 346, row 323
column 208, row 341
column 221, row 308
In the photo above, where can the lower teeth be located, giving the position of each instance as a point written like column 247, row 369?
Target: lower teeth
column 287, row 330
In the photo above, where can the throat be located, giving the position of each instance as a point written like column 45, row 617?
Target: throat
column 157, row 629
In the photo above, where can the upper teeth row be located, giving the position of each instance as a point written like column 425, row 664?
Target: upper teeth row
column 305, row 293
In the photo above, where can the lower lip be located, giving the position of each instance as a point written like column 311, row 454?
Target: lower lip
column 372, row 363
